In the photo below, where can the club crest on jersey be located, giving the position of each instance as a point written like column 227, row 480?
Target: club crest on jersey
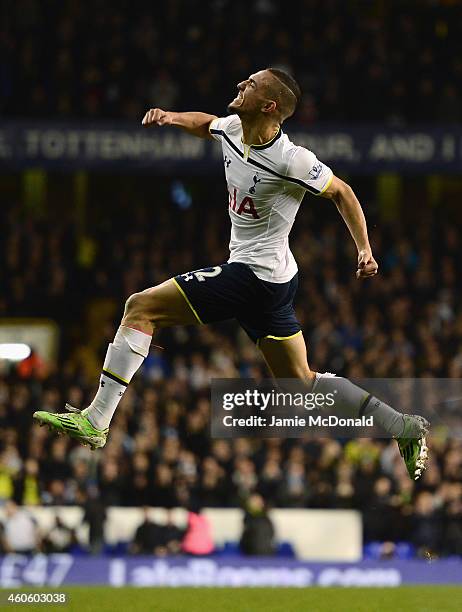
column 245, row 207
column 256, row 180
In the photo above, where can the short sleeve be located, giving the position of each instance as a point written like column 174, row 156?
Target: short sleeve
column 309, row 172
column 221, row 125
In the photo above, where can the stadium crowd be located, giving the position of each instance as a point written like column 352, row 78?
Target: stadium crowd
column 105, row 59
column 407, row 323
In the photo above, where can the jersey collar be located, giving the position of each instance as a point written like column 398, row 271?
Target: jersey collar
column 265, row 145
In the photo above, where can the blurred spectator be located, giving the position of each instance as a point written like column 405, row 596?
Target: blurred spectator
column 258, row 533
column 213, row 486
column 20, row 532
column 6, row 478
column 171, row 536
column 146, row 540
column 56, row 494
column 155, row 539
column 27, row 484
column 294, row 490
column 112, row 485
column 452, row 539
column 162, row 493
column 95, row 516
column 427, row 526
column 381, row 515
column 198, row 537
column 60, row 538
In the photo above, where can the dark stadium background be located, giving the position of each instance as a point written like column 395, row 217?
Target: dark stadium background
column 77, row 238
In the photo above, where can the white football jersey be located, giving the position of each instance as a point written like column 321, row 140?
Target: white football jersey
column 266, row 184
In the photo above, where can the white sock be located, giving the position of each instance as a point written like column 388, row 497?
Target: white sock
column 123, row 358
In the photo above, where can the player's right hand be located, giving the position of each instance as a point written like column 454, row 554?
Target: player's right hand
column 156, row 116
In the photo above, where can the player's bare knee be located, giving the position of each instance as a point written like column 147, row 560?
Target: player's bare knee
column 132, row 305
column 137, row 309
column 145, row 306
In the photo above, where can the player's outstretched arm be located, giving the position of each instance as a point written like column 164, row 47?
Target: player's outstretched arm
column 352, row 213
column 194, row 123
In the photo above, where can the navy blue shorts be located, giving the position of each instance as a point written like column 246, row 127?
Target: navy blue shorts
column 233, row 291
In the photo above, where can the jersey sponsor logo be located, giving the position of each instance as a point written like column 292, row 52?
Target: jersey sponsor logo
column 315, row 171
column 256, row 180
column 246, row 206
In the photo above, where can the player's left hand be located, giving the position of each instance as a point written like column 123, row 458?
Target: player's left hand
column 367, row 266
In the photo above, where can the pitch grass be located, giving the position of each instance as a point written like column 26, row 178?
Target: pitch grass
column 314, row 599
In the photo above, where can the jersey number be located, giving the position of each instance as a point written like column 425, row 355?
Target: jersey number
column 202, row 275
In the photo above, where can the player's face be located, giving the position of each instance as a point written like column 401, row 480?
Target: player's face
column 251, row 95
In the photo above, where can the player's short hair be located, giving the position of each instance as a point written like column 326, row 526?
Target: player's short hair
column 288, row 96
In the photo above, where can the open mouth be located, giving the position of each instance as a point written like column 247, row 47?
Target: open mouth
column 239, row 99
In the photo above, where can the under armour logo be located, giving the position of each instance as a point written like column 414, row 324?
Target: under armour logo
column 255, row 181
column 227, row 161
column 102, row 383
column 188, row 276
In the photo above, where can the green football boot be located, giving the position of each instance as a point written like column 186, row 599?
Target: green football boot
column 412, row 444
column 75, row 424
